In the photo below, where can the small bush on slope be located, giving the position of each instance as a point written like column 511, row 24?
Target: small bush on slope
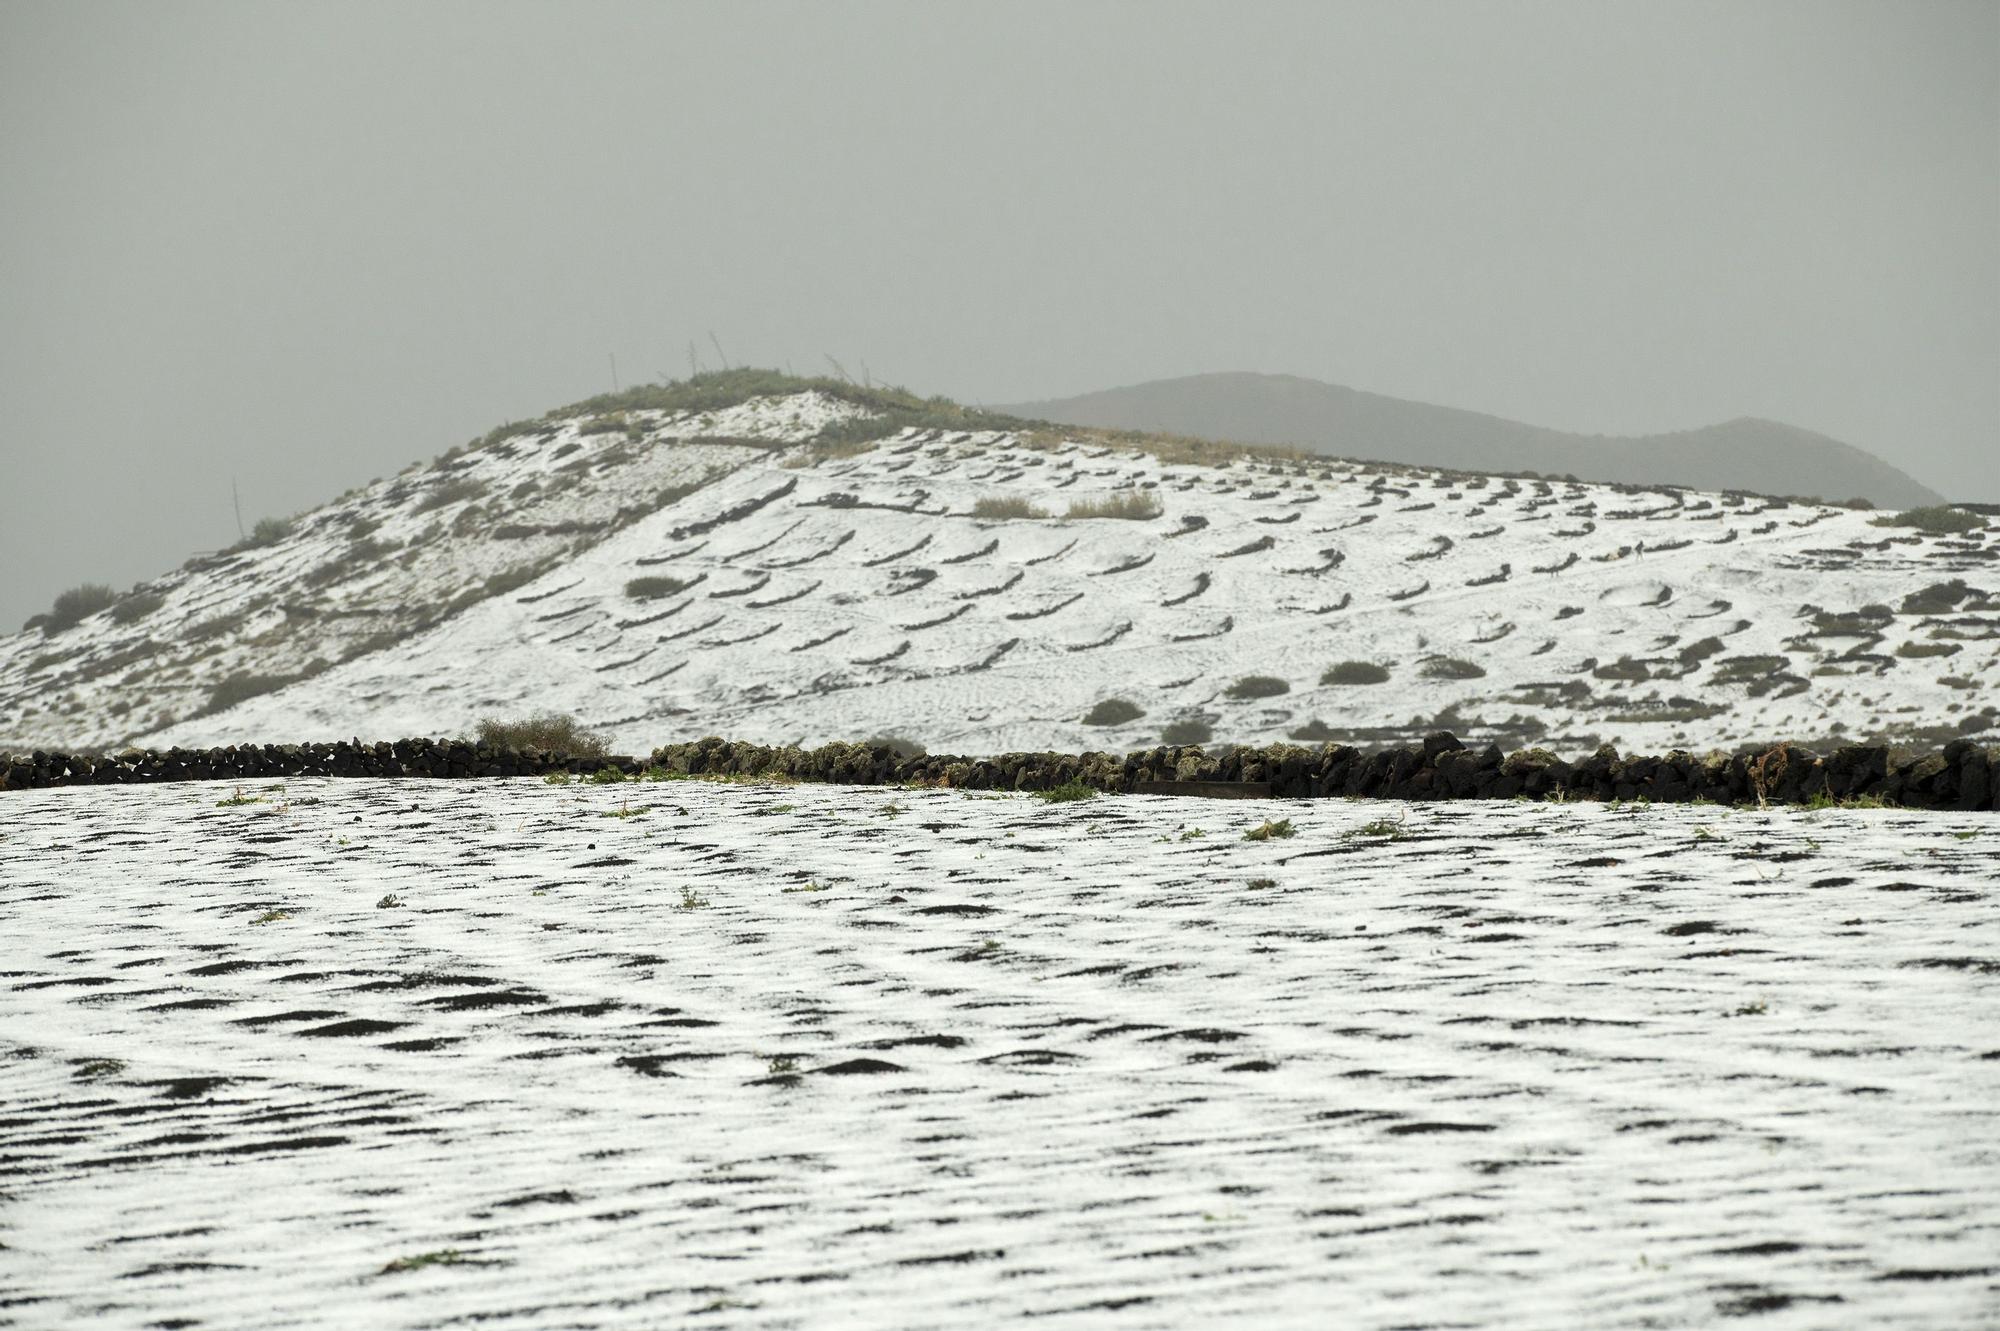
column 1007, row 507
column 1257, row 686
column 1189, row 731
column 136, row 607
column 1113, row 712
column 1136, row 506
column 73, row 605
column 1451, row 667
column 652, row 589
column 550, row 731
column 1355, row 672
column 268, row 531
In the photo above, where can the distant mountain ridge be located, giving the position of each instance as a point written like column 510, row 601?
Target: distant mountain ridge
column 1762, row 456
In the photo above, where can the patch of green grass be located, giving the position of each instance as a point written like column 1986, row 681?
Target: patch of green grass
column 814, row 886
column 239, row 798
column 1822, row 800
column 94, row 1068
column 692, row 900
column 1065, row 793
column 627, row 811
column 1392, row 828
column 607, row 776
column 442, row 1257
column 272, row 917
column 1270, row 830
column 389, row 901
column 1187, row 731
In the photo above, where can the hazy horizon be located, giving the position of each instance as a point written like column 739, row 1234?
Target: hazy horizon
column 297, row 247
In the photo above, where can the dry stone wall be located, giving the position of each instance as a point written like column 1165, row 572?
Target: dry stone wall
column 1962, row 776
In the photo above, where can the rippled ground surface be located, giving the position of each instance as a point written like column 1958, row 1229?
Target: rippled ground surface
column 425, row 1054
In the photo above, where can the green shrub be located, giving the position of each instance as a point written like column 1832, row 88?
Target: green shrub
column 1257, row 686
column 241, row 688
column 1187, row 731
column 1280, row 829
column 73, row 605
column 1911, row 650
column 133, row 608
column 1450, row 667
column 902, row 748
column 1935, row 520
column 652, row 589
column 1355, row 672
column 1113, row 712
column 511, row 579
column 1624, row 668
column 268, row 531
column 209, row 629
column 1135, row 505
column 1066, row 792
column 550, row 732
column 1006, row 507
column 1314, row 731
column 452, row 490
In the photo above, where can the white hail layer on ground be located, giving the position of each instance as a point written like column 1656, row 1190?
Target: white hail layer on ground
column 809, row 1056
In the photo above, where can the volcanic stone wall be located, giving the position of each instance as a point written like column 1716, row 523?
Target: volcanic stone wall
column 1963, row 776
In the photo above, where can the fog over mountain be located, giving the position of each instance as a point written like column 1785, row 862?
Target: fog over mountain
column 1768, row 457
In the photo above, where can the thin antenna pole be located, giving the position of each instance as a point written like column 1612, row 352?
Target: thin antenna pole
column 237, row 503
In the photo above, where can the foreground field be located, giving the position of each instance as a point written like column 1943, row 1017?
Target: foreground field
column 431, row 1054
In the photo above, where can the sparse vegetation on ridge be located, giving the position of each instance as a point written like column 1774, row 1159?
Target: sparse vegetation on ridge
column 1933, row 520
column 135, row 607
column 73, row 606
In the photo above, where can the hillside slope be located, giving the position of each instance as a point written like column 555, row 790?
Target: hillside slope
column 1761, row 456
column 762, row 570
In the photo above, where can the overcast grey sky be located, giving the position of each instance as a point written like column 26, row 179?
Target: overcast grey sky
column 304, row 244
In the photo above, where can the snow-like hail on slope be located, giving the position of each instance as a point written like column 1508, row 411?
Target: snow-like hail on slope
column 395, row 1054
column 799, row 597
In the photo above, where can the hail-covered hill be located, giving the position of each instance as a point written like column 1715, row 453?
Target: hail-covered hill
column 793, row 562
